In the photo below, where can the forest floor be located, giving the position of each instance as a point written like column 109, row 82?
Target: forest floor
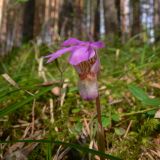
column 40, row 101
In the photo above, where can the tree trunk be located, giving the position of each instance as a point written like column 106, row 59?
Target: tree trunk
column 125, row 19
column 1, row 11
column 157, row 19
column 18, row 25
column 111, row 16
column 118, row 10
column 78, row 18
column 66, row 21
column 39, row 19
column 3, row 27
column 56, row 5
column 91, row 9
column 147, row 10
column 102, row 19
column 136, row 22
column 11, row 26
column 28, row 20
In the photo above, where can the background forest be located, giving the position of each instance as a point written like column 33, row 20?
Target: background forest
column 48, row 21
column 42, row 115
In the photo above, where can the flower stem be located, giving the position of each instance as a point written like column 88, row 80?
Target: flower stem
column 100, row 130
column 138, row 112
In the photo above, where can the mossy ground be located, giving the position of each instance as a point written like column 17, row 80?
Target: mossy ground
column 70, row 119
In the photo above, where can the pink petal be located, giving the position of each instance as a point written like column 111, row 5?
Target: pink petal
column 57, row 54
column 96, row 66
column 71, row 42
column 97, row 45
column 82, row 53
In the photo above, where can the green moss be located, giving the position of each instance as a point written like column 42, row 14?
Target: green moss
column 116, row 74
column 38, row 153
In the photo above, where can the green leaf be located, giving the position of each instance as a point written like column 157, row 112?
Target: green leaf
column 73, row 89
column 49, row 151
column 151, row 113
column 20, row 104
column 76, row 110
column 142, row 96
column 78, row 127
column 152, row 102
column 21, row 1
column 106, row 121
column 119, row 131
column 115, row 117
column 138, row 92
column 5, row 95
column 71, row 145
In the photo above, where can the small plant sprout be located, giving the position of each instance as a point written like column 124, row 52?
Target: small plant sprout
column 84, row 58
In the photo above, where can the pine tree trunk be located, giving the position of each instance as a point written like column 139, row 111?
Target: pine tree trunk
column 56, row 5
column 147, row 14
column 39, row 17
column 18, row 25
column 136, row 22
column 78, row 18
column 111, row 17
column 28, row 20
column 157, row 19
column 66, row 20
column 102, row 19
column 118, row 11
column 91, row 18
column 3, row 27
column 1, row 11
column 125, row 19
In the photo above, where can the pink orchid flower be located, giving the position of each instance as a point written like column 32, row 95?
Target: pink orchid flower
column 85, row 60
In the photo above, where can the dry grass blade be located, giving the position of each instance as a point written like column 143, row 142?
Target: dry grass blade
column 155, row 85
column 20, row 149
column 128, row 128
column 86, row 125
column 13, row 83
column 60, row 157
column 157, row 114
column 41, row 69
column 117, row 54
column 10, row 80
column 33, row 115
column 21, row 125
column 64, row 87
column 57, row 153
column 156, row 153
column 51, row 110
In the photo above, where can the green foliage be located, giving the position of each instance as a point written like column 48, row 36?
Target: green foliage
column 82, row 148
column 132, row 145
column 12, row 108
column 125, row 89
column 143, row 97
column 149, row 127
column 21, row 1
column 38, row 153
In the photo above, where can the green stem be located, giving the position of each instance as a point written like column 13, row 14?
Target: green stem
column 138, row 112
column 100, row 130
